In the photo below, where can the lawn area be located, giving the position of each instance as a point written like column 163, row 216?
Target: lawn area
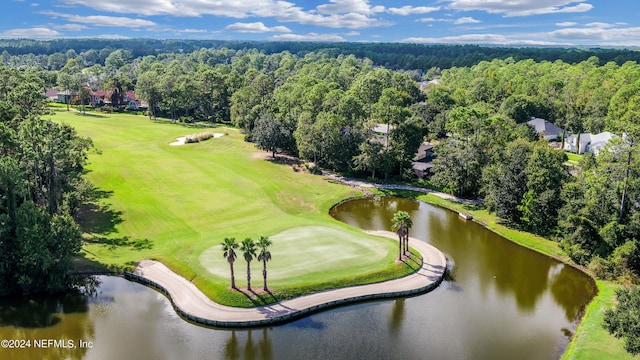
column 176, row 204
column 574, row 159
column 592, row 341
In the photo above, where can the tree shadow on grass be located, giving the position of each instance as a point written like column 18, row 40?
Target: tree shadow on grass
column 94, row 217
column 89, row 114
column 99, row 221
column 258, row 298
column 115, row 242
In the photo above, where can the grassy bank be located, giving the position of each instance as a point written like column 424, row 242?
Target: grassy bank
column 176, row 204
column 591, row 340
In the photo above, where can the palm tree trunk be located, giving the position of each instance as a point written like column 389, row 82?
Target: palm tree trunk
column 406, row 243
column 248, row 275
column 233, row 277
column 264, row 275
column 400, row 241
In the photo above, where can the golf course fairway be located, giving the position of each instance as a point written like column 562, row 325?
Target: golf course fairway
column 176, row 204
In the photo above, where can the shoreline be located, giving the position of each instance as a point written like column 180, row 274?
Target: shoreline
column 190, row 303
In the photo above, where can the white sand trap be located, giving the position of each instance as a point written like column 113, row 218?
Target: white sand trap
column 183, row 139
column 179, row 141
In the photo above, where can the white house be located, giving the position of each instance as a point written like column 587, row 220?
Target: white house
column 546, row 128
column 588, row 142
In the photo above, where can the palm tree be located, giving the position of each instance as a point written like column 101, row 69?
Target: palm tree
column 401, row 225
column 228, row 247
column 264, row 256
column 248, row 248
column 408, row 224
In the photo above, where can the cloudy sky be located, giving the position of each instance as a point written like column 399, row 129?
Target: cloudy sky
column 500, row 22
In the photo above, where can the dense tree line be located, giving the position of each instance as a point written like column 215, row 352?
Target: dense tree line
column 41, row 185
column 595, row 214
column 56, row 52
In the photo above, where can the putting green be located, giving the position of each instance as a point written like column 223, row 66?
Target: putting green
column 302, row 253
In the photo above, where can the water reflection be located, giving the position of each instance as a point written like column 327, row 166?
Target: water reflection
column 397, row 317
column 495, row 266
column 260, row 348
column 60, row 317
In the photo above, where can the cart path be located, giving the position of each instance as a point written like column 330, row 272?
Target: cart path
column 368, row 185
column 193, row 305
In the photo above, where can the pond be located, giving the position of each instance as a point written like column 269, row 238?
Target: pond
column 499, row 301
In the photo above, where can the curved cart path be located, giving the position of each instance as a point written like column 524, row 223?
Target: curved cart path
column 192, row 304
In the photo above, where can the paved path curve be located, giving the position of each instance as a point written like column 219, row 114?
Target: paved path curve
column 193, row 305
column 367, row 184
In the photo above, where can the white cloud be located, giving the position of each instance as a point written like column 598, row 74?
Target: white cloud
column 308, row 37
column 494, row 39
column 99, row 20
column 430, row 19
column 600, row 25
column 350, row 20
column 351, row 14
column 256, row 27
column 112, row 36
column 192, row 31
column 71, row 27
column 352, row 33
column 566, row 23
column 521, row 7
column 466, row 20
column 599, row 35
column 34, row 4
column 409, row 10
column 31, row 32
column 349, row 6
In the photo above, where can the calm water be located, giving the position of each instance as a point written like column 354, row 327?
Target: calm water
column 500, row 302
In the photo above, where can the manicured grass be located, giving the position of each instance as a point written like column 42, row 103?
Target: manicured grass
column 574, row 159
column 591, row 340
column 176, row 204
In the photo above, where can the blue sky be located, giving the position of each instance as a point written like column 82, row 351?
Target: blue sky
column 499, row 22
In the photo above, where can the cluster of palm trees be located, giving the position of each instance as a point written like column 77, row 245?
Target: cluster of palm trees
column 401, row 224
column 250, row 250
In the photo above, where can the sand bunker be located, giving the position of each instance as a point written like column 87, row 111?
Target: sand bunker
column 183, row 139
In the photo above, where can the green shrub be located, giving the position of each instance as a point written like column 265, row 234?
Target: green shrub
column 194, row 138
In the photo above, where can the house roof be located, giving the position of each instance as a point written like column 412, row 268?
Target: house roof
column 382, row 128
column 422, row 151
column 51, row 92
column 544, row 126
column 421, row 165
column 131, row 95
column 603, row 137
column 589, row 138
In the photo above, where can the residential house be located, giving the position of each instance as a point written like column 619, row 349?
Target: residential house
column 423, row 160
column 589, row 143
column 545, row 128
column 132, row 102
column 105, row 97
column 424, row 85
column 52, row 94
column 98, row 98
column 64, row 97
column 383, row 129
